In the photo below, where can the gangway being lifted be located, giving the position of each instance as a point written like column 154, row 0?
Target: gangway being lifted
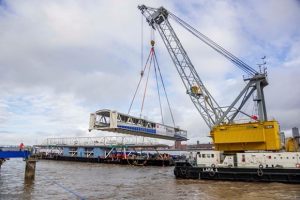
column 113, row 121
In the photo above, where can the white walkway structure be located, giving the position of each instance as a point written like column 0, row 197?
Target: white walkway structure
column 107, row 120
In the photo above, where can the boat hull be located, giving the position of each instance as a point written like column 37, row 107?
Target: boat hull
column 136, row 162
column 185, row 170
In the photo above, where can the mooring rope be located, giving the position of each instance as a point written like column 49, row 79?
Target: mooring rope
column 66, row 189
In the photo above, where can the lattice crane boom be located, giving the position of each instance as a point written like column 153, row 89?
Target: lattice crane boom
column 212, row 113
column 202, row 99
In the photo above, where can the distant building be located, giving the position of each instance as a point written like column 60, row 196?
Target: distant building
column 178, row 145
column 295, row 132
column 199, row 146
column 191, row 147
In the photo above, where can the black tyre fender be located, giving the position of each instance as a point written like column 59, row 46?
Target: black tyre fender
column 183, row 172
column 176, row 173
column 260, row 172
column 212, row 173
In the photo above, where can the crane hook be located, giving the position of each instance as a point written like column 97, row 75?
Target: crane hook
column 152, row 42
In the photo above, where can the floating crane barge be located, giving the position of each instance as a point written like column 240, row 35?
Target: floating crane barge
column 248, row 151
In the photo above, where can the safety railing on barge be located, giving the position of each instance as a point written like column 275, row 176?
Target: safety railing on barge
column 101, row 141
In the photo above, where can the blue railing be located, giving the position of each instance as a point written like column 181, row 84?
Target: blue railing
column 138, row 129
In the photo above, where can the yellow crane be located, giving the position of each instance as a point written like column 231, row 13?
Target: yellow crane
column 227, row 134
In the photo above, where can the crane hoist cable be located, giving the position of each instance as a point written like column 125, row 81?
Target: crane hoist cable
column 152, row 59
column 158, row 93
column 136, row 90
column 142, row 42
column 145, row 90
column 142, row 63
column 163, row 84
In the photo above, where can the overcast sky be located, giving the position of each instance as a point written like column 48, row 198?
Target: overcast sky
column 62, row 60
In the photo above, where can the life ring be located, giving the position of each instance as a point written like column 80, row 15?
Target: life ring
column 298, row 165
column 260, row 172
column 260, row 166
column 212, row 172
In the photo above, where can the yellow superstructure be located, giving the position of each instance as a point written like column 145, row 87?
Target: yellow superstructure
column 291, row 145
column 247, row 136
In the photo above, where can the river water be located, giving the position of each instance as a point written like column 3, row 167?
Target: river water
column 73, row 180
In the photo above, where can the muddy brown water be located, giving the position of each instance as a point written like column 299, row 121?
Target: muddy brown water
column 73, row 180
